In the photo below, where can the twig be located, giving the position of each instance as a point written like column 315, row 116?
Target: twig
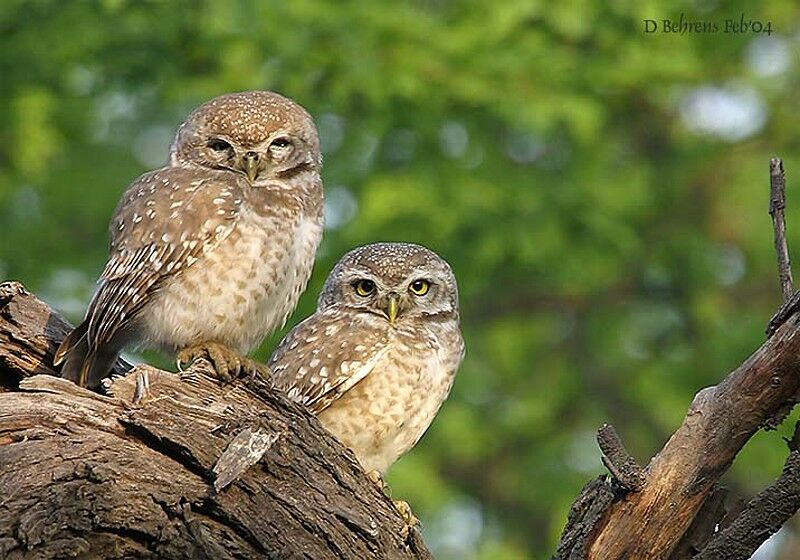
column 777, row 204
column 617, row 459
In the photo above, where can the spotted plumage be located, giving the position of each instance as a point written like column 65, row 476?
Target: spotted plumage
column 378, row 358
column 215, row 247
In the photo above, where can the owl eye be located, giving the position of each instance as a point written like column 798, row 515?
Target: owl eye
column 364, row 287
column 419, row 287
column 219, row 145
column 281, row 147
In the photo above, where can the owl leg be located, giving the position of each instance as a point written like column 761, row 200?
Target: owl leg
column 408, row 516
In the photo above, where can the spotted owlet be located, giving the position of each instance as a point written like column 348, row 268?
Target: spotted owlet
column 210, row 253
column 378, row 358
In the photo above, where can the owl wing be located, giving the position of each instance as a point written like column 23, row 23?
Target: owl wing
column 166, row 220
column 324, row 357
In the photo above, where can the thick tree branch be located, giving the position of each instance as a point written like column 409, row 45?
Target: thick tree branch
column 703, row 526
column 166, row 467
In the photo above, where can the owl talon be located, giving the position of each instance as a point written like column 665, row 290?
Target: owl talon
column 377, row 479
column 402, row 506
column 252, row 369
column 227, row 363
column 409, row 518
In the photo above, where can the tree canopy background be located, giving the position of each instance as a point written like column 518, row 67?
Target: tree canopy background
column 600, row 192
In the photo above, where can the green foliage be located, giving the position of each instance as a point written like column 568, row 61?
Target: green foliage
column 613, row 258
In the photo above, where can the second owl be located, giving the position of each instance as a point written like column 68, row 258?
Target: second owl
column 378, row 358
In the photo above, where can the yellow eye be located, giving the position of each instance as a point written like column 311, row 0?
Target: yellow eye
column 364, row 287
column 420, row 287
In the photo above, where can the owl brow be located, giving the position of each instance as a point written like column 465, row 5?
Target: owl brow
column 278, row 134
column 360, row 274
column 419, row 274
column 219, row 135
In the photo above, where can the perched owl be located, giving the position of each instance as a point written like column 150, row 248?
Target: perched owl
column 378, row 358
column 210, row 253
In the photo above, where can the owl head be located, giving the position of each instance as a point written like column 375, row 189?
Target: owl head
column 259, row 134
column 395, row 281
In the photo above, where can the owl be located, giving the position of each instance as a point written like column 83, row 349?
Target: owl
column 210, row 253
column 378, row 358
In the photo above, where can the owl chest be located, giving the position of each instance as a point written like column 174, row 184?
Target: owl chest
column 242, row 289
column 384, row 416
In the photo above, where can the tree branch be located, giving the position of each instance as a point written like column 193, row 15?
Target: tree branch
column 617, row 459
column 777, row 204
column 762, row 516
column 677, row 507
column 171, row 468
column 649, row 523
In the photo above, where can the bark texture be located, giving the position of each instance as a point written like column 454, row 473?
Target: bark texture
column 171, row 466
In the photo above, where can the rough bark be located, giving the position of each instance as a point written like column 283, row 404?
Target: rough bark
column 171, row 466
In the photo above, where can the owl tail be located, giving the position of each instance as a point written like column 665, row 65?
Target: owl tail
column 84, row 365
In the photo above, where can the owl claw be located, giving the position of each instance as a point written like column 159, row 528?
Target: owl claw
column 228, row 365
column 377, row 479
column 408, row 516
column 253, row 369
column 225, row 361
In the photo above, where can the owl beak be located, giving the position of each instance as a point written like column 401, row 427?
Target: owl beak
column 393, row 308
column 251, row 165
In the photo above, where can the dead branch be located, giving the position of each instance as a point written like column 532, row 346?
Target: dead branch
column 649, row 523
column 617, row 459
column 167, row 468
column 777, row 204
column 762, row 516
column 675, row 510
